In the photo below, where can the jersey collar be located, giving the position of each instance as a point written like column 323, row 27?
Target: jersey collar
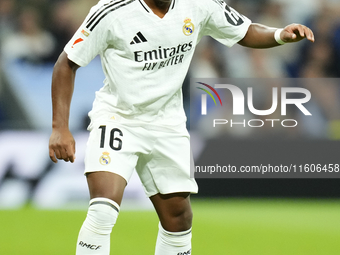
column 147, row 9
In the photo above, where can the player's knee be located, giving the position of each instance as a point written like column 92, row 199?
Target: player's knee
column 186, row 219
column 179, row 221
column 102, row 215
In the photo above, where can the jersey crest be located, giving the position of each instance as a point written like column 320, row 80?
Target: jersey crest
column 188, row 27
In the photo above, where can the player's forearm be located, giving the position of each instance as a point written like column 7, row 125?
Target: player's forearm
column 62, row 91
column 259, row 36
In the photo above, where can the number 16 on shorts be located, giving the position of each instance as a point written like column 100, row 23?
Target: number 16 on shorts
column 103, row 143
column 114, row 141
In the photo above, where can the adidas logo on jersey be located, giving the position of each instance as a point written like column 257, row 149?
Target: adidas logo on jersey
column 139, row 38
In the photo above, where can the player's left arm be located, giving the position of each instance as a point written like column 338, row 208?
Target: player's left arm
column 261, row 36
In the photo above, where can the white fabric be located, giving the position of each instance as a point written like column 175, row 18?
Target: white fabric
column 277, row 36
column 94, row 235
column 144, row 79
column 161, row 156
column 173, row 243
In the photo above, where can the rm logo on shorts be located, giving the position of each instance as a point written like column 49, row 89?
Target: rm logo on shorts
column 105, row 158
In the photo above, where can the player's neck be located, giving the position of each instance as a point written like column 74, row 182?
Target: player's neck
column 159, row 7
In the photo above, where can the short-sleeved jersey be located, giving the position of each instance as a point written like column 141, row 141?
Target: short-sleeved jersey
column 145, row 58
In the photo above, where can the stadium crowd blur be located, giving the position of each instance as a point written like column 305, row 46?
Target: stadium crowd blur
column 34, row 32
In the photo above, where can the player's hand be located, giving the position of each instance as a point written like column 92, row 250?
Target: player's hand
column 296, row 32
column 62, row 145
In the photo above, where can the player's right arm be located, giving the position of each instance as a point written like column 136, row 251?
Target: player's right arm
column 62, row 144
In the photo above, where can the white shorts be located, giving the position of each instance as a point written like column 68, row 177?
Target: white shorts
column 161, row 157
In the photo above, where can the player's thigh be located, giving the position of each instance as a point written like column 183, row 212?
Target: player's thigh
column 111, row 156
column 106, row 184
column 174, row 210
column 167, row 169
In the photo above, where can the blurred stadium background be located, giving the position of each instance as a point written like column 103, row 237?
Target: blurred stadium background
column 42, row 204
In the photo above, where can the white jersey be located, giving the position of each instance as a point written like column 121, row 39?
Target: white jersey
column 145, row 58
